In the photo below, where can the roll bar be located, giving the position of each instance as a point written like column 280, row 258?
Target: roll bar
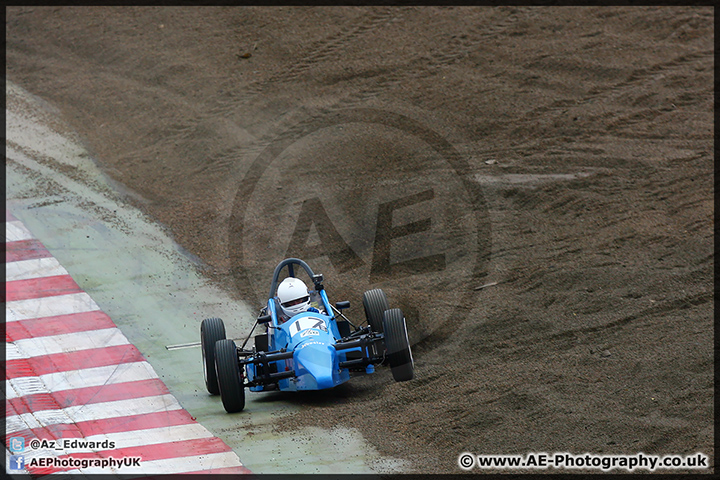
column 290, row 263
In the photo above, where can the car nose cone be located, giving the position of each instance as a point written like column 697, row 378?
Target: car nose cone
column 316, row 365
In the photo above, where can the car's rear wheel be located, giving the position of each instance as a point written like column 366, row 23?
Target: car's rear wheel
column 375, row 303
column 211, row 330
column 398, row 345
column 232, row 391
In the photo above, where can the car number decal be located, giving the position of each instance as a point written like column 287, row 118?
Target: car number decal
column 306, row 323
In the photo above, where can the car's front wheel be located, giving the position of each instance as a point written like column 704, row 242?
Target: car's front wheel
column 211, row 330
column 398, row 345
column 230, row 381
column 375, row 303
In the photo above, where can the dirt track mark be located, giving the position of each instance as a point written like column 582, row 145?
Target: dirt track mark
column 63, row 170
column 636, row 78
column 455, row 50
column 321, row 51
column 650, row 313
column 462, row 44
column 326, row 48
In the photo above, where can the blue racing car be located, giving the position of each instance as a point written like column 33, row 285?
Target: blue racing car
column 309, row 344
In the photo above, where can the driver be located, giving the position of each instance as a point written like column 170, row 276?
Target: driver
column 294, row 298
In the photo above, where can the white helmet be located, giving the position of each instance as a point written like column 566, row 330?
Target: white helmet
column 294, row 296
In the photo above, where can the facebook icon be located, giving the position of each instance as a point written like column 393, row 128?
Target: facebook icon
column 17, row 462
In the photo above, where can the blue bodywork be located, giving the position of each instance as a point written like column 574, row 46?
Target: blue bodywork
column 306, row 352
column 316, row 363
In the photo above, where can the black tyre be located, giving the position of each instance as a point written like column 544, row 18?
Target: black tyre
column 232, row 391
column 211, row 330
column 375, row 303
column 398, row 346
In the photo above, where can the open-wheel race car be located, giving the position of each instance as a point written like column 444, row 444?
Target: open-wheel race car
column 318, row 348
